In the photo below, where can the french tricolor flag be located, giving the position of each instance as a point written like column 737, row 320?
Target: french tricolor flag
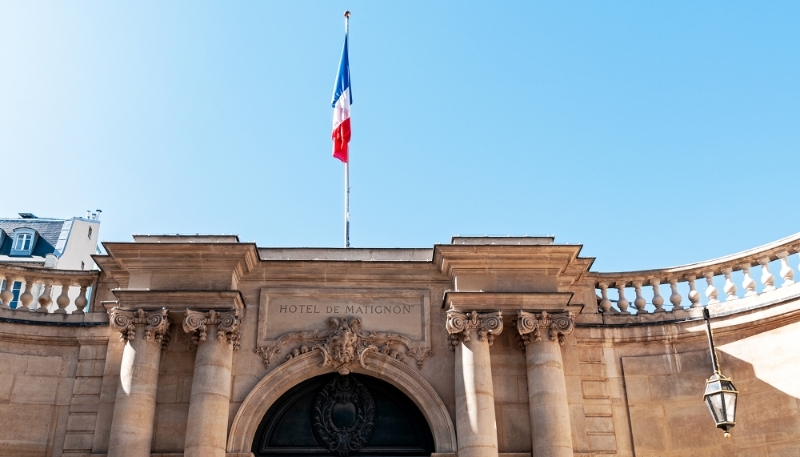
column 342, row 99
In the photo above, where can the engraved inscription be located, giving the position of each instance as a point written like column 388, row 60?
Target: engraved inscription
column 350, row 309
column 286, row 310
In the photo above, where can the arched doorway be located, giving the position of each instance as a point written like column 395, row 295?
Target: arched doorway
column 331, row 414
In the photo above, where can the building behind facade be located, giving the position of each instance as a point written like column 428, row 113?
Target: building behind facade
column 484, row 347
column 64, row 244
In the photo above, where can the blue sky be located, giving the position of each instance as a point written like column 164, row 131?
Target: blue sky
column 654, row 133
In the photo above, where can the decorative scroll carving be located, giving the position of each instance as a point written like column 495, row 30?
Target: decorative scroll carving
column 345, row 343
column 227, row 322
column 487, row 324
column 155, row 322
column 557, row 325
column 349, row 398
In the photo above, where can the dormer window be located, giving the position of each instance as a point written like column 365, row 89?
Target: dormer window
column 24, row 240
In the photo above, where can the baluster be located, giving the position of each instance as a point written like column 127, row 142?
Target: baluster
column 711, row 291
column 639, row 302
column 7, row 295
column 658, row 300
column 80, row 301
column 63, row 300
column 623, row 302
column 797, row 250
column 748, row 283
column 787, row 274
column 605, row 303
column 766, row 277
column 675, row 298
column 45, row 300
column 730, row 287
column 694, row 295
column 27, row 297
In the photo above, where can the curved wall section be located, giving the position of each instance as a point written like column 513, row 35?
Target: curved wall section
column 628, row 350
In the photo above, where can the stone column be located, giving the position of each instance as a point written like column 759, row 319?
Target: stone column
column 144, row 333
column 551, row 433
column 471, row 335
column 207, row 427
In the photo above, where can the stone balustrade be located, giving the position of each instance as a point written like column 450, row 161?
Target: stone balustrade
column 45, row 290
column 670, row 290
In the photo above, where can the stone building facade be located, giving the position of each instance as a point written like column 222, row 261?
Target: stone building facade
column 484, row 347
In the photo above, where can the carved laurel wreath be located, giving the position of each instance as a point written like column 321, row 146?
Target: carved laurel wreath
column 343, row 438
column 345, row 343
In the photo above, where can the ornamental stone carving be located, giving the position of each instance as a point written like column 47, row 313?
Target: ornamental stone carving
column 558, row 326
column 227, row 322
column 343, row 415
column 458, row 325
column 345, row 343
column 155, row 322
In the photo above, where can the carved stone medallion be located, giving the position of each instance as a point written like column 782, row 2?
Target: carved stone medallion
column 343, row 415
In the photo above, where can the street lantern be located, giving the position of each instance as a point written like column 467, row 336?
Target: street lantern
column 720, row 395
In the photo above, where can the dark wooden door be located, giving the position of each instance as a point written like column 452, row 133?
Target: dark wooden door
column 353, row 415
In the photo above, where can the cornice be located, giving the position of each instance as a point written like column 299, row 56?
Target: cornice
column 24, row 270
column 177, row 257
column 545, row 260
column 287, row 272
column 178, row 299
column 55, row 336
column 726, row 326
column 506, row 301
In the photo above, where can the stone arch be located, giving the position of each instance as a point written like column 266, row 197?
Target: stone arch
column 306, row 366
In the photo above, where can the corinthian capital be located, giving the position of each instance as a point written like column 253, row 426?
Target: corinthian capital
column 459, row 324
column 558, row 326
column 227, row 322
column 155, row 322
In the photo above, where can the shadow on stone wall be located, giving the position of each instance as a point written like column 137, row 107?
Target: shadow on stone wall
column 669, row 419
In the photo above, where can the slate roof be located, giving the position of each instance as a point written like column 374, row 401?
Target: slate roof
column 48, row 230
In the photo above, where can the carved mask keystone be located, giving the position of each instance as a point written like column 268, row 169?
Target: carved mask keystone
column 345, row 344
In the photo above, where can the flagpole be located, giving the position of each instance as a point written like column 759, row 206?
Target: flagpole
column 347, row 164
column 347, row 202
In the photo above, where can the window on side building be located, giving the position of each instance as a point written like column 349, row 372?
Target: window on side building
column 16, row 289
column 24, row 240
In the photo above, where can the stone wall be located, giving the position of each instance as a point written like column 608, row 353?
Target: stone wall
column 49, row 386
column 662, row 392
column 634, row 384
